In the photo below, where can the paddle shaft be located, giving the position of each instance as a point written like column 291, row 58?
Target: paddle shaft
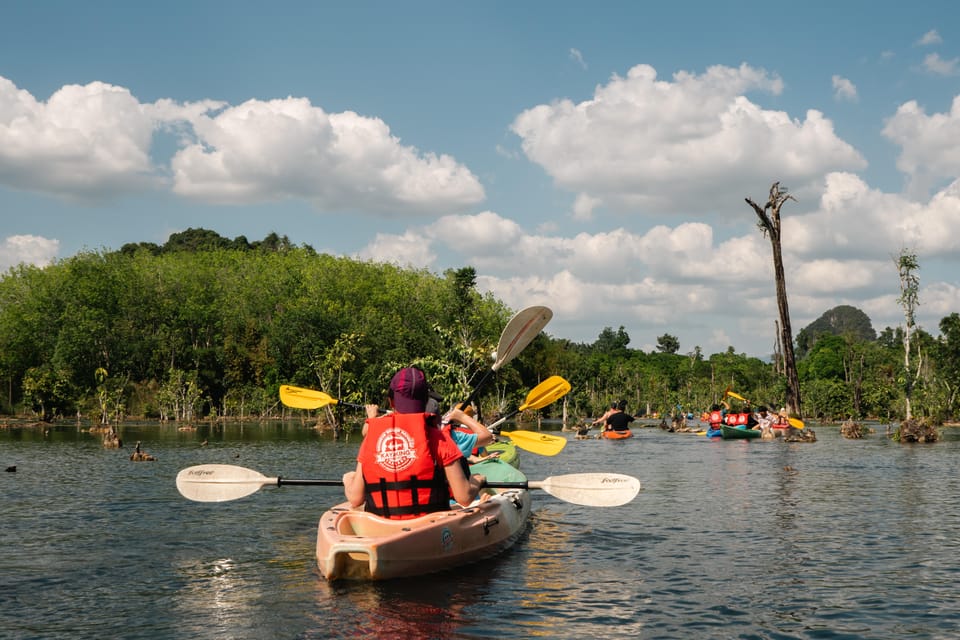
column 339, row 483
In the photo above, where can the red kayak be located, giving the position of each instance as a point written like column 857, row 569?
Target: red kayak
column 613, row 434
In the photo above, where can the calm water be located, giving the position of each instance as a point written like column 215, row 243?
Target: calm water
column 836, row 539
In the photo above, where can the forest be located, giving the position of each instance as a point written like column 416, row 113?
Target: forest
column 204, row 327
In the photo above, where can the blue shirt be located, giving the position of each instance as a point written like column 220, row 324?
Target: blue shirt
column 464, row 441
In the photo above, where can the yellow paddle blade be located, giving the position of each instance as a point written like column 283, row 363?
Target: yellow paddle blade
column 546, row 393
column 538, row 443
column 737, row 396
column 300, row 398
column 796, row 423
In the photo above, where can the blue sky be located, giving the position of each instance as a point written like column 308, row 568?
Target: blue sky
column 593, row 157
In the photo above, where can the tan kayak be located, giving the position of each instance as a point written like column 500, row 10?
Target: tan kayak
column 357, row 545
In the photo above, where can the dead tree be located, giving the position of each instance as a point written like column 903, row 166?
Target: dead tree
column 769, row 225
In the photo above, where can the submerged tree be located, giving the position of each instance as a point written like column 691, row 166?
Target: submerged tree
column 909, row 299
column 769, row 223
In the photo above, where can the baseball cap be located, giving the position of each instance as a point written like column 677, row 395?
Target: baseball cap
column 408, row 389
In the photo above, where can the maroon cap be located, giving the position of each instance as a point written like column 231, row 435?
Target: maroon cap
column 408, row 389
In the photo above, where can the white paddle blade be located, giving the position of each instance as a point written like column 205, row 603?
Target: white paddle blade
column 219, row 482
column 519, row 332
column 592, row 489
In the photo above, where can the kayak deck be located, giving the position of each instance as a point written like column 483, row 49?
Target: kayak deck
column 354, row 544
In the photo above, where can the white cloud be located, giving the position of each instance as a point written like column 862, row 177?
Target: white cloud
column 930, row 38
column 577, row 57
column 660, row 145
column 27, row 249
column 406, row 250
column 844, row 89
column 88, row 142
column 260, row 151
column 584, row 206
column 929, row 149
column 936, row 65
column 94, row 142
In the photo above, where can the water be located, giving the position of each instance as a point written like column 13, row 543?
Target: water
column 736, row 539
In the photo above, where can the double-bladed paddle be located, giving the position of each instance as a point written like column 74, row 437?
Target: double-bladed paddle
column 519, row 332
column 794, row 422
column 223, row 482
column 545, row 393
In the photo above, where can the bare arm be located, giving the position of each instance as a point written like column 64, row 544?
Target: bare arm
column 464, row 489
column 354, row 487
column 484, row 437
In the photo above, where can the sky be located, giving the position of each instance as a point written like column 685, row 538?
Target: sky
column 591, row 157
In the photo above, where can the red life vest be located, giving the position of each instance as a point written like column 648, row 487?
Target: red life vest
column 402, row 478
column 742, row 418
column 716, row 417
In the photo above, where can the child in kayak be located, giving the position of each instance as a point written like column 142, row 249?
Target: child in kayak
column 406, row 465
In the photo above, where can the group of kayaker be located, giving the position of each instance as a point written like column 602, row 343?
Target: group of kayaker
column 412, row 461
column 763, row 420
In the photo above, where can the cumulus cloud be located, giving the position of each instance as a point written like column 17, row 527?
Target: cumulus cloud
column 407, row 250
column 272, row 150
column 928, row 144
column 88, row 142
column 844, row 89
column 930, row 38
column 27, row 249
column 644, row 143
column 936, row 65
column 94, row 142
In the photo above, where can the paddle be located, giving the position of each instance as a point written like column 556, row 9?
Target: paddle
column 545, row 393
column 519, row 332
column 223, row 482
column 794, row 422
column 300, row 398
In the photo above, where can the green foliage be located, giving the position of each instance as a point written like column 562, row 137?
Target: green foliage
column 842, row 320
column 210, row 326
column 668, row 343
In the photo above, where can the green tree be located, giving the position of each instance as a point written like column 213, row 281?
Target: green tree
column 668, row 343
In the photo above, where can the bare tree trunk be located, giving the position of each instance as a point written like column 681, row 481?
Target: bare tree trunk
column 770, row 226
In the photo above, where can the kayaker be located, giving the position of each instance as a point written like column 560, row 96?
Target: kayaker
column 406, row 465
column 470, row 435
column 764, row 420
column 619, row 420
column 603, row 419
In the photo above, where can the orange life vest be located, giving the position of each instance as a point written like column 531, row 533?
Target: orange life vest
column 401, row 476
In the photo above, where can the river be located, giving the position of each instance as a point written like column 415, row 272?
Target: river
column 728, row 539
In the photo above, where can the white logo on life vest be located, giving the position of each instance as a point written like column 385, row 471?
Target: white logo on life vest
column 395, row 450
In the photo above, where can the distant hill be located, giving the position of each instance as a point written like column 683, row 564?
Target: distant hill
column 839, row 321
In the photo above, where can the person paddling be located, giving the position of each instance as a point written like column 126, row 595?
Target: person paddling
column 619, row 420
column 407, row 466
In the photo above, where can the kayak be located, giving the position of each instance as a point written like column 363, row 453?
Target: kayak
column 353, row 544
column 733, row 433
column 613, row 434
column 714, row 433
column 508, row 452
